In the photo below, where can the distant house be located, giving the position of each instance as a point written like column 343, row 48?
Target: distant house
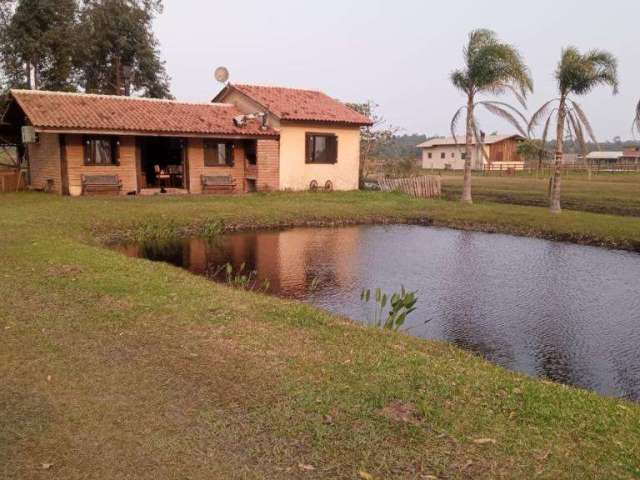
column 500, row 151
column 604, row 159
column 629, row 159
column 251, row 138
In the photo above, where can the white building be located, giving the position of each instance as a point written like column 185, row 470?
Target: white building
column 500, row 152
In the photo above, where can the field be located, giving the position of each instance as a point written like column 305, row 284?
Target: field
column 115, row 367
column 617, row 194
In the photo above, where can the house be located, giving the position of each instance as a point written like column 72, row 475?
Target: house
column 500, row 152
column 250, row 138
column 601, row 159
column 631, row 156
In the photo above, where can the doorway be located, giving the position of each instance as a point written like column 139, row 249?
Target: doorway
column 162, row 163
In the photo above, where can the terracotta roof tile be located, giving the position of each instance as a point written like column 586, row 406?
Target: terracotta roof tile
column 76, row 111
column 303, row 105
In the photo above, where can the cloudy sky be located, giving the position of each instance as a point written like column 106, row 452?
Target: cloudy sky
column 398, row 53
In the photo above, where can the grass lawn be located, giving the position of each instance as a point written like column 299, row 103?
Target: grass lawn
column 115, row 367
column 616, row 194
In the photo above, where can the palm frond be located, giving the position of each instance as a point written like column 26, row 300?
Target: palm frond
column 477, row 134
column 584, row 120
column 501, row 87
column 606, row 67
column 540, row 114
column 579, row 74
column 545, row 130
column 492, row 66
column 454, row 123
column 569, row 130
column 461, row 81
column 498, row 109
column 574, row 122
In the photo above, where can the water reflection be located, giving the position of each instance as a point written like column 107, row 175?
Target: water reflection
column 564, row 312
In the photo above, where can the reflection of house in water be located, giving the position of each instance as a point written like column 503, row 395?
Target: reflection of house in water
column 291, row 260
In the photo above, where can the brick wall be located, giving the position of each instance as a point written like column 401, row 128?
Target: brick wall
column 197, row 168
column 126, row 171
column 268, row 165
column 44, row 161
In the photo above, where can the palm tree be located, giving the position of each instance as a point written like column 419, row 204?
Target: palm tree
column 636, row 121
column 577, row 74
column 491, row 67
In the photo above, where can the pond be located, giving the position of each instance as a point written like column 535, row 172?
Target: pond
column 559, row 311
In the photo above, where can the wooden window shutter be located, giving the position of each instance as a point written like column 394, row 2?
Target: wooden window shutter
column 115, row 151
column 333, row 148
column 308, row 149
column 229, row 154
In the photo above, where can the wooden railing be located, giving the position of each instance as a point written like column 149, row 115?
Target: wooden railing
column 546, row 169
column 424, row 187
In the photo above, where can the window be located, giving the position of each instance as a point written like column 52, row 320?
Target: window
column 430, row 155
column 321, row 148
column 250, row 151
column 218, row 154
column 463, row 155
column 453, row 154
column 443, row 155
column 101, row 150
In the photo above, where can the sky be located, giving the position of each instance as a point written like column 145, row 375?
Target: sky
column 397, row 53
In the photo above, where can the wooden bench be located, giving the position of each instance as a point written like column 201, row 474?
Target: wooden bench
column 101, row 185
column 218, row 184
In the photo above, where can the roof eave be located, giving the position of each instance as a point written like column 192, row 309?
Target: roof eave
column 142, row 133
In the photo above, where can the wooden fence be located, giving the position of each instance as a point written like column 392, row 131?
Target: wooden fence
column 423, row 187
column 10, row 181
column 547, row 169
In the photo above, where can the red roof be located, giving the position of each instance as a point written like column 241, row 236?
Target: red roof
column 87, row 112
column 301, row 105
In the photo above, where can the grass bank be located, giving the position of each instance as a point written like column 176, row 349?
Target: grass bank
column 615, row 194
column 113, row 367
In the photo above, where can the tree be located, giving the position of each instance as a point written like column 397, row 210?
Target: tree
column 577, row 74
column 37, row 41
column 532, row 151
column 372, row 137
column 119, row 52
column 636, row 120
column 491, row 67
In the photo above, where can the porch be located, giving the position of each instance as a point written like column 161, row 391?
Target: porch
column 146, row 165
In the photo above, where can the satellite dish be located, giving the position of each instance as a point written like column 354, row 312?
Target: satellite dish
column 221, row 74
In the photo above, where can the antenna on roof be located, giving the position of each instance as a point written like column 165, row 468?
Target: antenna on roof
column 221, row 74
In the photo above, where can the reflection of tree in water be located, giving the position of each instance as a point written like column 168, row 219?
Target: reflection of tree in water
column 174, row 253
column 462, row 314
column 553, row 355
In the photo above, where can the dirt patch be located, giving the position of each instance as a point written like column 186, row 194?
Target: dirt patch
column 64, row 270
column 404, row 412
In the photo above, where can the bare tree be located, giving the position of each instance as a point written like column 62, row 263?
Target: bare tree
column 372, row 137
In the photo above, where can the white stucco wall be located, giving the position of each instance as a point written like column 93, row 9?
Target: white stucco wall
column 452, row 156
column 295, row 174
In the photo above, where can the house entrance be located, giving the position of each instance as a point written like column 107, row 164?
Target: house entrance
column 162, row 163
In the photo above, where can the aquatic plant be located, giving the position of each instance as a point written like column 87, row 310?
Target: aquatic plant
column 401, row 304
column 241, row 278
column 212, row 228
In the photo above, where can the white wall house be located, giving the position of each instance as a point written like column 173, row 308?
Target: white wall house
column 499, row 151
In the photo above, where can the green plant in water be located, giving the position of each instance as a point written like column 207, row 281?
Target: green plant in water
column 401, row 304
column 212, row 228
column 241, row 278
